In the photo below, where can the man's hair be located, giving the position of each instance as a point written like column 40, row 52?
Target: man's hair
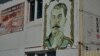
column 61, row 5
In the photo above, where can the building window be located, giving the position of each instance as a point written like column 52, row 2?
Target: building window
column 32, row 10
column 35, row 9
column 39, row 9
column 41, row 53
column 51, row 53
column 30, row 54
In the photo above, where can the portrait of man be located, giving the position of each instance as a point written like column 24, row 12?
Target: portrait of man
column 56, row 38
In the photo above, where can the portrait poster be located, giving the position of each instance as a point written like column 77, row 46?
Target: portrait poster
column 12, row 19
column 91, row 31
column 59, row 24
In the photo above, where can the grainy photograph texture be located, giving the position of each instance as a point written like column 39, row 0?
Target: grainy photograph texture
column 12, row 19
column 59, row 24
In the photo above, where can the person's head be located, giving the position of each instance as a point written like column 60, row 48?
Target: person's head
column 58, row 16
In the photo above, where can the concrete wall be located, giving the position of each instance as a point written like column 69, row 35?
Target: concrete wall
column 90, row 7
column 34, row 35
column 11, row 44
column 14, row 44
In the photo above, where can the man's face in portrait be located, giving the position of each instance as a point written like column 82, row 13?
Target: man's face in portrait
column 58, row 19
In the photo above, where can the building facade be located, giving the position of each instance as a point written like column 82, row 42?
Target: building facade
column 30, row 28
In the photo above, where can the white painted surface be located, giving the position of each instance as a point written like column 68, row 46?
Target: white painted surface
column 13, row 44
column 14, row 52
column 92, row 6
column 34, row 34
column 67, row 52
column 11, row 41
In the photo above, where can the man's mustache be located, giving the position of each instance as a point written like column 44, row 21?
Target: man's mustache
column 56, row 26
